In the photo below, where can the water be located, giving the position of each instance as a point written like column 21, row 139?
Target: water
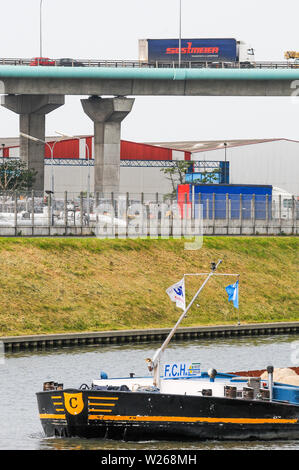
column 23, row 374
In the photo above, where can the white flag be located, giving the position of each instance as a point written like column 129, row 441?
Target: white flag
column 177, row 293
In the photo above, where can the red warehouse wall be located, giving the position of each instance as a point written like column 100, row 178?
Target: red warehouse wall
column 74, row 148
column 137, row 151
column 63, row 149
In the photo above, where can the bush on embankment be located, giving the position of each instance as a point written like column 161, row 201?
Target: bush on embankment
column 72, row 285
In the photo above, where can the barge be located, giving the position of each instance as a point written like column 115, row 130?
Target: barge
column 176, row 402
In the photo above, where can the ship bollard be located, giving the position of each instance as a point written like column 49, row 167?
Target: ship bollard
column 230, row 392
column 48, row 386
column 248, row 393
column 255, row 384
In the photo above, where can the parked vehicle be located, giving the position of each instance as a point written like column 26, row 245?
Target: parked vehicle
column 292, row 58
column 45, row 61
column 213, row 199
column 284, row 205
column 281, row 203
column 67, row 62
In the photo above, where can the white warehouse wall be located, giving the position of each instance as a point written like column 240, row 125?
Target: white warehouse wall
column 273, row 163
column 135, row 180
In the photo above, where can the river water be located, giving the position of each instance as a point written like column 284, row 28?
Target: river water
column 22, row 375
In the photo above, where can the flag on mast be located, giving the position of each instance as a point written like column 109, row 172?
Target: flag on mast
column 176, row 293
column 233, row 293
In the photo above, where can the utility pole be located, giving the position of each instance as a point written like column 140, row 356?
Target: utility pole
column 180, row 33
column 40, row 29
column 225, row 144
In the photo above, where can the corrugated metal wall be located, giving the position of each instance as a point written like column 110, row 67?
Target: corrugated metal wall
column 63, row 149
column 134, row 180
column 81, row 148
column 137, row 151
column 275, row 163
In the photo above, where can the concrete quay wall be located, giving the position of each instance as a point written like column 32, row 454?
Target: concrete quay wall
column 35, row 342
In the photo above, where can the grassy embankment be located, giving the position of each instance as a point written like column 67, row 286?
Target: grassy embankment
column 73, row 285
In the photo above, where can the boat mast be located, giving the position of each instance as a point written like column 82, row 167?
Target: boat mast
column 154, row 363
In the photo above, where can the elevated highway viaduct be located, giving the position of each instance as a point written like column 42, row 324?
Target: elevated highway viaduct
column 33, row 92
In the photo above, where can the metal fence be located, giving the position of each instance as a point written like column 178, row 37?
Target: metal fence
column 156, row 64
column 145, row 214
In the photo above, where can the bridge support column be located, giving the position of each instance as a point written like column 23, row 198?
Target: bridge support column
column 32, row 110
column 107, row 115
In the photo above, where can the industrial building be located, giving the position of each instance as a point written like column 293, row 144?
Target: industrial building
column 272, row 162
column 72, row 162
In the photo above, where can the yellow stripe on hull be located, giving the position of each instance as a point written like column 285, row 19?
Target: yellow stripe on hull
column 51, row 416
column 194, row 420
column 102, row 398
column 101, row 404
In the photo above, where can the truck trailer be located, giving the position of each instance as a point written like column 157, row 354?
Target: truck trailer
column 210, row 50
column 243, row 199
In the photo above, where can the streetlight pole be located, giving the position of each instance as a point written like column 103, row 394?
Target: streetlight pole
column 88, row 184
column 225, row 144
column 180, row 33
column 51, row 147
column 40, row 28
column 88, row 175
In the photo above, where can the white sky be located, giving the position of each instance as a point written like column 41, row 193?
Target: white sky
column 110, row 29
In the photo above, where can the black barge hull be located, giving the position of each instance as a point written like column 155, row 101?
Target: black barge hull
column 144, row 415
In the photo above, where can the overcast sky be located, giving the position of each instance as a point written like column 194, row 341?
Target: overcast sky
column 110, row 29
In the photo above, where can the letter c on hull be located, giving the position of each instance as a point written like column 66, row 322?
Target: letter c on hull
column 73, row 403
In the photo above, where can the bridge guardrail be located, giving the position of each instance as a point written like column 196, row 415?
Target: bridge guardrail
column 137, row 64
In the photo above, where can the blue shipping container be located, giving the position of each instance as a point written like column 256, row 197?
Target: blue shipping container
column 206, row 192
column 194, row 50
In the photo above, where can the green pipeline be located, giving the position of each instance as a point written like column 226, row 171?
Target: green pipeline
column 143, row 73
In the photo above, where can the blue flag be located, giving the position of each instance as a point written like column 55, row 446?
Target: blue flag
column 233, row 293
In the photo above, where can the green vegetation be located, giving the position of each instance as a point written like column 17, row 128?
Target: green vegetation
column 14, row 175
column 68, row 285
column 176, row 175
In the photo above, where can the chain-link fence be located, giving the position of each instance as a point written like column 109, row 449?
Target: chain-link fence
column 132, row 214
column 247, row 206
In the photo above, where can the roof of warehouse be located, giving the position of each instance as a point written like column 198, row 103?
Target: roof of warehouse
column 206, row 145
column 187, row 146
column 14, row 141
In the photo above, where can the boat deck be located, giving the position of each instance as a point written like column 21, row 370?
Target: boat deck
column 181, row 386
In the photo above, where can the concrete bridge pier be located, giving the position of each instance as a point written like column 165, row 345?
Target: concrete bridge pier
column 107, row 115
column 32, row 110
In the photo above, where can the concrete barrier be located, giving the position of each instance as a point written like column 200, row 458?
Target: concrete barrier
column 210, row 227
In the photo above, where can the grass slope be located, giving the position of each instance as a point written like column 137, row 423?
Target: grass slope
column 72, row 285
